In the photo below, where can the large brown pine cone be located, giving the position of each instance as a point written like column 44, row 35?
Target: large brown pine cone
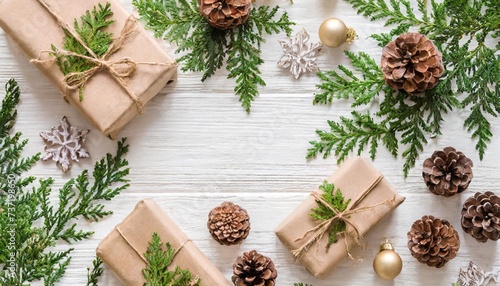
column 225, row 14
column 254, row 269
column 433, row 241
column 447, row 172
column 481, row 216
column 412, row 62
column 228, row 223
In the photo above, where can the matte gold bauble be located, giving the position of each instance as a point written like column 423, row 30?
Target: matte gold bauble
column 333, row 33
column 387, row 263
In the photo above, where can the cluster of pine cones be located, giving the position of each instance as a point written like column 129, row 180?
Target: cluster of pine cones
column 229, row 224
column 410, row 63
column 434, row 241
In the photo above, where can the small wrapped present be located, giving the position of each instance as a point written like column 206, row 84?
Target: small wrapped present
column 372, row 198
column 115, row 85
column 123, row 249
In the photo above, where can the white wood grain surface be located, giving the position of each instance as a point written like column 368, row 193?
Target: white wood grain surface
column 195, row 147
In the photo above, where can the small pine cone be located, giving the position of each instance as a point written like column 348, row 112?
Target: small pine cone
column 447, row 172
column 433, row 241
column 412, row 62
column 228, row 223
column 481, row 216
column 225, row 14
column 253, row 268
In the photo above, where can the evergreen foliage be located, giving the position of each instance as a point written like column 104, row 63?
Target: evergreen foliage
column 461, row 30
column 207, row 48
column 335, row 199
column 94, row 273
column 34, row 218
column 157, row 273
column 91, row 32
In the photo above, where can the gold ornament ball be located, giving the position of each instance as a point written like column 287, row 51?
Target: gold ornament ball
column 387, row 263
column 333, row 32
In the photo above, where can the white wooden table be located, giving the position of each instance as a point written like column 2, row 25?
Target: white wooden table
column 195, row 147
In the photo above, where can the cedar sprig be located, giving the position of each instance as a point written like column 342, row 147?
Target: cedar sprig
column 95, row 272
column 361, row 130
column 91, row 30
column 301, row 284
column 460, row 29
column 336, row 200
column 159, row 256
column 207, row 48
column 41, row 217
column 345, row 84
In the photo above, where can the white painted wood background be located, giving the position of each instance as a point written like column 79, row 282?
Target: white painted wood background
column 195, row 147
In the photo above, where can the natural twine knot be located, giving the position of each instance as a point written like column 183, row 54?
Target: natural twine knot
column 194, row 281
column 323, row 227
column 120, row 69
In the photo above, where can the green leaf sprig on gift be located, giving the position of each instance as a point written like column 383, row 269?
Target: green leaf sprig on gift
column 91, row 32
column 335, row 200
column 34, row 218
column 211, row 40
column 413, row 101
column 158, row 260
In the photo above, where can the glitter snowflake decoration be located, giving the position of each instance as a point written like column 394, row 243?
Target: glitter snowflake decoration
column 473, row 275
column 63, row 144
column 299, row 55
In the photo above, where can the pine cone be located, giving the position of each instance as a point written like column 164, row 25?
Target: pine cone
column 253, row 268
column 412, row 62
column 225, row 14
column 481, row 216
column 228, row 223
column 433, row 241
column 447, row 172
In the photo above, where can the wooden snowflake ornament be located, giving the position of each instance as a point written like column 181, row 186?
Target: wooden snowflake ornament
column 63, row 144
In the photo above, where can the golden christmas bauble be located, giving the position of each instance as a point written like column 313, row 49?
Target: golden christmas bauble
column 333, row 33
column 387, row 263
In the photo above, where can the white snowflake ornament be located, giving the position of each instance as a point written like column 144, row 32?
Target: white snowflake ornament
column 63, row 144
column 300, row 56
column 473, row 275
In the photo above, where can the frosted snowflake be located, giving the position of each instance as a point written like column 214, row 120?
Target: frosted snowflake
column 300, row 56
column 63, row 144
column 473, row 275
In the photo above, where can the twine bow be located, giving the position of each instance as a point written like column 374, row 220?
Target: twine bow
column 322, row 228
column 119, row 69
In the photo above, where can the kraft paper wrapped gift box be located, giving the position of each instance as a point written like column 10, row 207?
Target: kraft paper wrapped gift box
column 123, row 249
column 355, row 178
column 109, row 102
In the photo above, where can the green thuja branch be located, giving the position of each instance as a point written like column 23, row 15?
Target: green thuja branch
column 345, row 84
column 207, row 48
column 158, row 260
column 336, row 200
column 34, row 218
column 301, row 284
column 91, row 32
column 94, row 273
column 460, row 29
column 348, row 133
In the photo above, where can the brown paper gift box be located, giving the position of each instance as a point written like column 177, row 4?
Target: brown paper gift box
column 352, row 178
column 106, row 104
column 122, row 250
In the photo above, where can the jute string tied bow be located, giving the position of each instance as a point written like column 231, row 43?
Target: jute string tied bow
column 323, row 227
column 193, row 282
column 119, row 69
